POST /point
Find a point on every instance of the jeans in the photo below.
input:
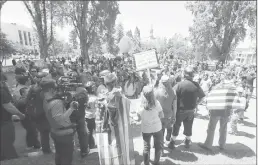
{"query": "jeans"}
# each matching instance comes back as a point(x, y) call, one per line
point(83, 135)
point(64, 146)
point(91, 127)
point(187, 117)
point(44, 130)
point(158, 144)
point(31, 133)
point(7, 141)
point(222, 131)
point(167, 124)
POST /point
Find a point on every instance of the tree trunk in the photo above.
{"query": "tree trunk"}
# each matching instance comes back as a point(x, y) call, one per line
point(84, 52)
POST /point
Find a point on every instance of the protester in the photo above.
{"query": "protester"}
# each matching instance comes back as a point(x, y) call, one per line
point(20, 95)
point(78, 118)
point(220, 103)
point(118, 110)
point(36, 112)
point(90, 112)
point(237, 113)
point(189, 95)
point(168, 101)
point(151, 114)
point(62, 129)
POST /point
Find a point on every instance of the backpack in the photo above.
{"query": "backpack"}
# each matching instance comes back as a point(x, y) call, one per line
point(34, 107)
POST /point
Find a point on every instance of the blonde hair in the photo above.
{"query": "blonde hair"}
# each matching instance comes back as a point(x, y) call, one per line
point(148, 99)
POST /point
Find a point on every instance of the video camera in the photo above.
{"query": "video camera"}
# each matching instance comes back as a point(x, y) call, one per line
point(66, 87)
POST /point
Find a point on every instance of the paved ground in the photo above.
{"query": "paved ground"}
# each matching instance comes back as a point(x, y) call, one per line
point(240, 149)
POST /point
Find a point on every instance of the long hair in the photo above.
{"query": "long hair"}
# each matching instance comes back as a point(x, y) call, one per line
point(148, 99)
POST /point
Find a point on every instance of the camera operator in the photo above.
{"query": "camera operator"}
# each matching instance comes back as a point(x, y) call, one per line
point(7, 128)
point(62, 129)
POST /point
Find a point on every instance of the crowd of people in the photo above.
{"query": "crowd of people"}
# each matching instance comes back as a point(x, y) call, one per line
point(101, 105)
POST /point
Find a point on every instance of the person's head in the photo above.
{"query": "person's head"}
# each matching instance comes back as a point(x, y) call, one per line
point(189, 73)
point(48, 86)
point(23, 91)
point(90, 87)
point(148, 99)
point(33, 71)
point(165, 81)
point(205, 76)
point(110, 80)
point(81, 95)
point(240, 91)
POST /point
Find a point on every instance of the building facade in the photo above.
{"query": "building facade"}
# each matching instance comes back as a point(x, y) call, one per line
point(245, 55)
point(22, 37)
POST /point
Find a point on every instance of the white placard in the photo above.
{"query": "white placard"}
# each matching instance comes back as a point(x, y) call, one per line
point(146, 60)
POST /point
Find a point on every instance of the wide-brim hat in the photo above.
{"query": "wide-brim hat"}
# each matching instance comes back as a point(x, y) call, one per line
point(164, 79)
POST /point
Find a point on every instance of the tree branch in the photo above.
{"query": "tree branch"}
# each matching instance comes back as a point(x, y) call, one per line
point(51, 25)
point(29, 9)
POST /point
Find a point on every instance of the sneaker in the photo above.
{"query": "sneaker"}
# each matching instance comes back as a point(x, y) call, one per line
point(47, 152)
point(84, 154)
point(232, 133)
point(187, 143)
point(204, 147)
point(171, 145)
point(37, 147)
point(145, 164)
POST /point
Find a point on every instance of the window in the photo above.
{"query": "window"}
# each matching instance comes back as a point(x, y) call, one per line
point(25, 38)
point(20, 36)
point(29, 38)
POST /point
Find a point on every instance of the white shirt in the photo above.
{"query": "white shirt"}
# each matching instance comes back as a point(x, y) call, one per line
point(91, 108)
point(151, 122)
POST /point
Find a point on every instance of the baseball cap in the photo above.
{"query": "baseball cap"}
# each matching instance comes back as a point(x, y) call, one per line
point(110, 77)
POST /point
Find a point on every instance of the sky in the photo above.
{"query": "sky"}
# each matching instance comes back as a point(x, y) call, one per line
point(166, 17)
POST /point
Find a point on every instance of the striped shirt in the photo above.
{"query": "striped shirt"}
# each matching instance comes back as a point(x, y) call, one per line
point(222, 100)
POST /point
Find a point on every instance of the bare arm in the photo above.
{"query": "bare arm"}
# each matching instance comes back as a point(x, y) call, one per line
point(9, 107)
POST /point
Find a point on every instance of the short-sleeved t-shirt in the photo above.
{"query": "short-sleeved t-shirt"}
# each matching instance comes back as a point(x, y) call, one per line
point(6, 97)
point(151, 122)
point(250, 80)
point(187, 94)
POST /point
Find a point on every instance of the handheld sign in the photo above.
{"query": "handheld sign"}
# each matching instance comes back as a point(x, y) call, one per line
point(146, 60)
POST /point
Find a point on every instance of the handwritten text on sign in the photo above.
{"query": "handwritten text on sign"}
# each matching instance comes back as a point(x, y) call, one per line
point(146, 60)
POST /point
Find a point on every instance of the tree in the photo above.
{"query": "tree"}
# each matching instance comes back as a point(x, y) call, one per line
point(56, 48)
point(179, 47)
point(2, 3)
point(43, 14)
point(73, 38)
point(220, 25)
point(90, 19)
point(137, 39)
point(96, 47)
point(119, 32)
point(129, 34)
point(6, 47)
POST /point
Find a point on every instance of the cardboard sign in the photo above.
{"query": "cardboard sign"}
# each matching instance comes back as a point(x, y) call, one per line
point(146, 60)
